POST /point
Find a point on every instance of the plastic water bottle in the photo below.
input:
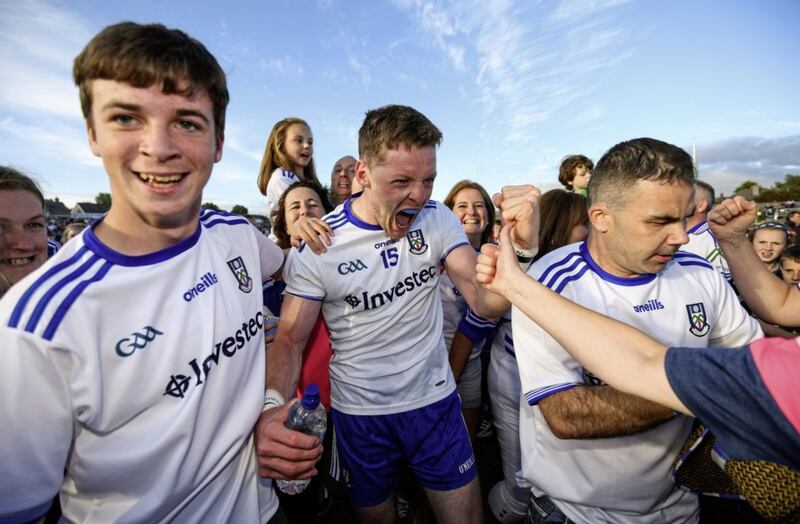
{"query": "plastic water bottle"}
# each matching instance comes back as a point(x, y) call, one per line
point(307, 416)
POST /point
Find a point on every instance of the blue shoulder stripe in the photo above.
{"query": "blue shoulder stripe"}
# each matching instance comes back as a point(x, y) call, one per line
point(38, 311)
point(16, 315)
point(233, 222)
point(556, 265)
point(563, 269)
point(431, 204)
point(571, 278)
point(685, 258)
point(71, 298)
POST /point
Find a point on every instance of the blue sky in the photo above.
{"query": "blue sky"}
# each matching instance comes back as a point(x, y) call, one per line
point(514, 85)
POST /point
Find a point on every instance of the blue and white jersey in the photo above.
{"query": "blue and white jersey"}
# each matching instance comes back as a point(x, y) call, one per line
point(380, 299)
point(702, 242)
point(279, 181)
point(619, 479)
point(52, 247)
point(142, 376)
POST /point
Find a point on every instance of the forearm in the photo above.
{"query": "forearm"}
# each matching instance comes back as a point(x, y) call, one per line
point(284, 359)
point(766, 294)
point(460, 349)
point(587, 412)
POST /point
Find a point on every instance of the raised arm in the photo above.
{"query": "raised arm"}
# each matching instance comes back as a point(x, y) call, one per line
point(768, 296)
point(622, 356)
point(519, 208)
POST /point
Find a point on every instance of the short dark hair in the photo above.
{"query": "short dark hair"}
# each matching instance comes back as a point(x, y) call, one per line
point(566, 172)
point(389, 126)
point(640, 159)
point(279, 226)
point(145, 54)
point(708, 189)
point(791, 253)
point(12, 179)
point(450, 201)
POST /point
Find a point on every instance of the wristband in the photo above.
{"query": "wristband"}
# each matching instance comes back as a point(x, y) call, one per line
point(272, 399)
point(525, 255)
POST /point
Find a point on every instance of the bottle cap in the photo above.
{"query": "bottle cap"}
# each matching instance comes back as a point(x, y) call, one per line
point(311, 397)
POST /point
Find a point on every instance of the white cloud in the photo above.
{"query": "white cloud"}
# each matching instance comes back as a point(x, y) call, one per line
point(360, 69)
point(592, 112)
point(36, 54)
point(63, 141)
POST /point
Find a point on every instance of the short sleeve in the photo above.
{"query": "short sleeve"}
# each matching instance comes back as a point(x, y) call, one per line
point(279, 182)
point(723, 388)
point(271, 255)
point(37, 423)
point(452, 232)
point(302, 276)
point(475, 327)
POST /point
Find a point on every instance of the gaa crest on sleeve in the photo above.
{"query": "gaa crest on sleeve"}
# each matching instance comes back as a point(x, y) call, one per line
point(239, 271)
point(416, 242)
point(698, 321)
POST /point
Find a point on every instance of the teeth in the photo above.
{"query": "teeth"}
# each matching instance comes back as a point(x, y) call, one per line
point(19, 261)
point(160, 179)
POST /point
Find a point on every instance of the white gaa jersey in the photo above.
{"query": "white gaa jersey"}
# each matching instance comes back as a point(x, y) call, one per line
point(279, 182)
point(702, 242)
point(621, 479)
point(142, 377)
point(380, 299)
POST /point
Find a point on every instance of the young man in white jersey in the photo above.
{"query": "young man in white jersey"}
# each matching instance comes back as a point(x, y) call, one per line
point(592, 453)
point(134, 358)
point(392, 391)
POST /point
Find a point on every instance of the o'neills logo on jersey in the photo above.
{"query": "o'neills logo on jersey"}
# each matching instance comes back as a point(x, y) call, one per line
point(367, 301)
point(178, 384)
point(651, 305)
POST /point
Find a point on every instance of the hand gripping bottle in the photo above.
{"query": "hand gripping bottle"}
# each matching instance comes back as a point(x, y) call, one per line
point(306, 416)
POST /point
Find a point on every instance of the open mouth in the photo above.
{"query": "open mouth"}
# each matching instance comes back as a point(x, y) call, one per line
point(160, 181)
point(405, 217)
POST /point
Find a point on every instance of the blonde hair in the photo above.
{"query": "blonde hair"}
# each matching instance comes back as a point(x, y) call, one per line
point(275, 155)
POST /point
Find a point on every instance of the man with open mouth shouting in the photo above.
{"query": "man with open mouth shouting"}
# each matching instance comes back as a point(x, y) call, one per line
point(392, 392)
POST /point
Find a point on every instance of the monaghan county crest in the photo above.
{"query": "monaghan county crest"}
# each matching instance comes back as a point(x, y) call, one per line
point(416, 241)
point(239, 270)
point(698, 323)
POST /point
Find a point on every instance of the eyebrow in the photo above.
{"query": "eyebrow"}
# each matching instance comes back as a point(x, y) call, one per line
point(135, 108)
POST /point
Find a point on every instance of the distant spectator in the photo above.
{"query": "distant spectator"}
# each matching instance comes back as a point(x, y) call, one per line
point(790, 265)
point(793, 223)
point(23, 228)
point(702, 241)
point(344, 170)
point(769, 240)
point(71, 231)
point(575, 173)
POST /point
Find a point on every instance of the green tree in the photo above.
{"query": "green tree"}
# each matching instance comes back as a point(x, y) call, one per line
point(104, 199)
point(790, 187)
point(240, 210)
point(211, 205)
point(747, 184)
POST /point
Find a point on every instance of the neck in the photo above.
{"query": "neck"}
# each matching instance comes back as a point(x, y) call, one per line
point(694, 220)
point(362, 209)
point(601, 254)
point(299, 171)
point(138, 237)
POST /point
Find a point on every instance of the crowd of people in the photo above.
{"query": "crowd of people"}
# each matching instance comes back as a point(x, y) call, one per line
point(614, 329)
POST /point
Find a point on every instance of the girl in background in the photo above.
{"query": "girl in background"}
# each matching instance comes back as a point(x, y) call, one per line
point(288, 158)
